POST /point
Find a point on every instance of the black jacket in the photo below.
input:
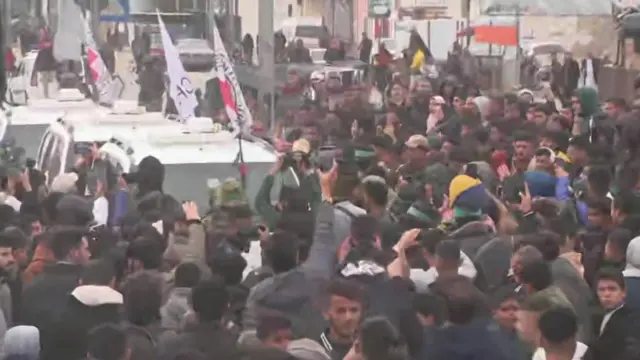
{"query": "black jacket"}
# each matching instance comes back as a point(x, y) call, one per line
point(210, 339)
point(87, 307)
point(46, 296)
point(43, 298)
point(619, 340)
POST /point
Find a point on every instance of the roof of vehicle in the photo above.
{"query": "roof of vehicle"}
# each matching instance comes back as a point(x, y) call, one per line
point(43, 111)
point(194, 148)
point(101, 126)
point(73, 109)
point(196, 46)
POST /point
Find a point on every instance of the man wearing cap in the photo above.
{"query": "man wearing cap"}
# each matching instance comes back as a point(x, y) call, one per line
point(421, 153)
point(417, 156)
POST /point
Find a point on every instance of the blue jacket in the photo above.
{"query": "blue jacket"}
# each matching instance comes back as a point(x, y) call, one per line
point(481, 340)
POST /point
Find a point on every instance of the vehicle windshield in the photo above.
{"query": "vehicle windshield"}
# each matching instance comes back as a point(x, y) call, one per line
point(310, 31)
point(188, 182)
point(84, 147)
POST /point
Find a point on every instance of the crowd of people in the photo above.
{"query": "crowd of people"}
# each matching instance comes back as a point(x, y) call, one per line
point(443, 223)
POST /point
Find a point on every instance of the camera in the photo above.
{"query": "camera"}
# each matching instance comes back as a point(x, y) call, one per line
point(289, 161)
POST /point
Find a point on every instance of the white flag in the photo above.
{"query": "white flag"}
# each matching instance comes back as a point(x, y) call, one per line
point(100, 75)
point(230, 91)
point(181, 89)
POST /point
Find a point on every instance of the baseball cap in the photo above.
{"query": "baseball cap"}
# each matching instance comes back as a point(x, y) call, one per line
point(417, 142)
point(438, 100)
point(301, 146)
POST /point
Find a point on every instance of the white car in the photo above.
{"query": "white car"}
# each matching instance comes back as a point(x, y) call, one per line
point(317, 55)
point(191, 153)
point(191, 159)
point(27, 124)
point(67, 136)
point(195, 54)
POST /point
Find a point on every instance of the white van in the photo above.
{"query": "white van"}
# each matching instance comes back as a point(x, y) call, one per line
point(65, 137)
point(27, 124)
point(307, 28)
point(193, 158)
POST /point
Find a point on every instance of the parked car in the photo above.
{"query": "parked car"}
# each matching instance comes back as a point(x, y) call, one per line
point(195, 54)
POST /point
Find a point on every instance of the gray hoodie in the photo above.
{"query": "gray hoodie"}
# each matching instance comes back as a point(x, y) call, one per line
point(295, 292)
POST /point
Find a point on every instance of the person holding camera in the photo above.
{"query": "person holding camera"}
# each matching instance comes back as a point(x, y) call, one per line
point(300, 185)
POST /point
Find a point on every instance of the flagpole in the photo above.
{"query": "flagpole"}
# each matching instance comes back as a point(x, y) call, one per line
point(243, 166)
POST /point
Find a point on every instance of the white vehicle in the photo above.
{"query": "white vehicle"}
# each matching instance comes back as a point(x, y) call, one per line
point(27, 124)
point(307, 28)
point(195, 54)
point(19, 88)
point(191, 153)
point(191, 159)
point(69, 135)
point(317, 55)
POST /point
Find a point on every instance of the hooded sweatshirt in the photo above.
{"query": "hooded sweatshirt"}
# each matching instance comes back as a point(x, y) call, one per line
point(295, 293)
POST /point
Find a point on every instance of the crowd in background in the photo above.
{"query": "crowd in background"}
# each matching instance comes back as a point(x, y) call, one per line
point(418, 217)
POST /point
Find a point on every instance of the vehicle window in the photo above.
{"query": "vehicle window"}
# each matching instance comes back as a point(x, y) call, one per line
point(84, 147)
point(310, 31)
point(55, 161)
point(45, 151)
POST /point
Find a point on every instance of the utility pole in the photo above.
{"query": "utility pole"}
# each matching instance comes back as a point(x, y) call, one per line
point(211, 18)
point(231, 26)
point(6, 21)
point(266, 56)
point(94, 10)
point(518, 45)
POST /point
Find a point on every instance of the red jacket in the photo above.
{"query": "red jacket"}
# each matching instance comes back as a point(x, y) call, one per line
point(9, 61)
